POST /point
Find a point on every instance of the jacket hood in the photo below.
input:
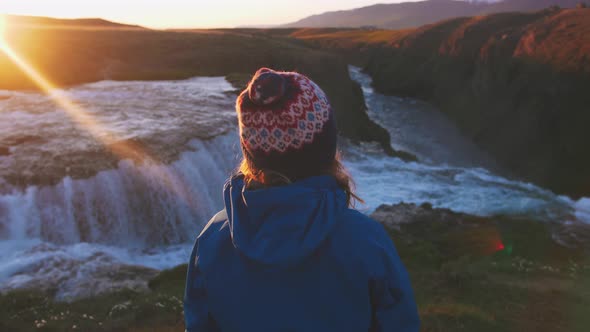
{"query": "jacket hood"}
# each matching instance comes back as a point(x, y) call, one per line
point(282, 225)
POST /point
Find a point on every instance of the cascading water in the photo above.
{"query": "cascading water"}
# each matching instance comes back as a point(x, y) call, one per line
point(126, 206)
point(83, 216)
point(118, 218)
point(78, 220)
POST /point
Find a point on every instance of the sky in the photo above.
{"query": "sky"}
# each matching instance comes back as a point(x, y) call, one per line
point(184, 13)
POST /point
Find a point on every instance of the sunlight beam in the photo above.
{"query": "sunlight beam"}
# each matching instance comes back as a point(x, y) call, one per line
point(79, 116)
point(117, 146)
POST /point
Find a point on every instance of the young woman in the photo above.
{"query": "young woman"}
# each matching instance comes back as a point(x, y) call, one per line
point(287, 253)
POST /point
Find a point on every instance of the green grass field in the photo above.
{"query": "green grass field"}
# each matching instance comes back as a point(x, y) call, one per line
point(531, 285)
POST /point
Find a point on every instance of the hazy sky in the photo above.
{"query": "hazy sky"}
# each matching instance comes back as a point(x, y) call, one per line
point(183, 13)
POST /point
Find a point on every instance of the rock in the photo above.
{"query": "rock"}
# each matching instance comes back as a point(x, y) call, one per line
point(393, 216)
point(106, 280)
point(459, 233)
point(403, 155)
point(516, 87)
point(67, 278)
point(120, 308)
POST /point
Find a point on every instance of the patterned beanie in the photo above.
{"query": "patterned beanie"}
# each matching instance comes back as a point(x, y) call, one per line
point(286, 124)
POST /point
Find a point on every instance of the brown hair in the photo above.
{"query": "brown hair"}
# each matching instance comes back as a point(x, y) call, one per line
point(260, 178)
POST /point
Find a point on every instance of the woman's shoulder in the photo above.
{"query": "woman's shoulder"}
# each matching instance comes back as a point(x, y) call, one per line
point(218, 223)
point(360, 229)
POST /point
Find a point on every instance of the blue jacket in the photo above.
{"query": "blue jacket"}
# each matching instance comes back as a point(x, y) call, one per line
point(296, 258)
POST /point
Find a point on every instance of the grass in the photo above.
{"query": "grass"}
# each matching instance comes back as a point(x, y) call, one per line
point(459, 288)
point(349, 38)
point(531, 285)
point(159, 310)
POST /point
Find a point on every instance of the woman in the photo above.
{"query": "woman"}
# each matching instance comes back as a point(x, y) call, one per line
point(287, 253)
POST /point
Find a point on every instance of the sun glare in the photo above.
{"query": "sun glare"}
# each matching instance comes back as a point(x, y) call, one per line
point(2, 28)
point(92, 125)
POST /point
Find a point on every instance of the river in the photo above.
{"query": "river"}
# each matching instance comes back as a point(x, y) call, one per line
point(69, 210)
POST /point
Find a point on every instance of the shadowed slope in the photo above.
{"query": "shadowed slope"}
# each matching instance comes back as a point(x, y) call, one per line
point(516, 83)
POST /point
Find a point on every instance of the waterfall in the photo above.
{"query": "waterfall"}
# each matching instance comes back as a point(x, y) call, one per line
point(115, 224)
point(126, 206)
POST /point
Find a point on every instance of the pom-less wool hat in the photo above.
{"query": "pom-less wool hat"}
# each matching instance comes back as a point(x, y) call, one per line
point(286, 124)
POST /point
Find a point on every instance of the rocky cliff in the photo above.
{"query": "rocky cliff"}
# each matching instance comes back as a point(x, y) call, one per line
point(516, 83)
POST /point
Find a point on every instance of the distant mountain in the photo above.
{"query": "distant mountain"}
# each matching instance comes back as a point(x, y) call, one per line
point(37, 21)
point(256, 26)
point(413, 14)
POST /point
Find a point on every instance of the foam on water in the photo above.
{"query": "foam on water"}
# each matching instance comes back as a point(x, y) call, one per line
point(383, 180)
point(582, 207)
point(68, 269)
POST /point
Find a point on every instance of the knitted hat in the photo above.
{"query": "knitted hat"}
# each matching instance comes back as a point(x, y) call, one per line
point(286, 124)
